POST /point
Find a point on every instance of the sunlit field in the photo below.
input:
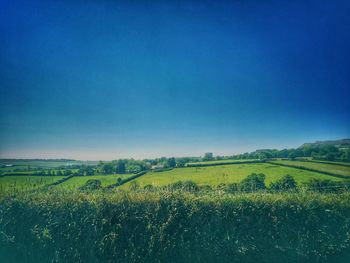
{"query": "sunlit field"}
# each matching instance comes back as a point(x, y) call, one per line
point(215, 175)
point(79, 181)
point(324, 167)
point(11, 184)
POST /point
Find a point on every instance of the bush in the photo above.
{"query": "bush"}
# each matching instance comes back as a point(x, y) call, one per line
point(91, 185)
point(326, 186)
point(149, 187)
point(253, 182)
point(286, 183)
point(188, 186)
point(174, 227)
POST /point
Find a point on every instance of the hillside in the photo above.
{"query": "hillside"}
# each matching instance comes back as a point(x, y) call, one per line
point(342, 143)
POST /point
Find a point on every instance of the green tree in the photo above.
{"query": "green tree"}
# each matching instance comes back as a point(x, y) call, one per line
point(120, 169)
point(286, 183)
point(253, 182)
point(171, 162)
point(208, 157)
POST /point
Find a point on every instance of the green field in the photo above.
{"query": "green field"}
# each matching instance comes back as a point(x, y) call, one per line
point(215, 175)
point(79, 181)
point(44, 164)
point(223, 161)
point(11, 184)
point(324, 167)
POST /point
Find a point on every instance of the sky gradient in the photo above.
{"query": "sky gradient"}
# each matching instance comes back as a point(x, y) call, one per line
point(114, 79)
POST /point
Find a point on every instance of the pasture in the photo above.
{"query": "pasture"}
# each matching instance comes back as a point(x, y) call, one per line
point(78, 181)
point(12, 184)
point(43, 164)
point(324, 167)
point(215, 175)
point(226, 161)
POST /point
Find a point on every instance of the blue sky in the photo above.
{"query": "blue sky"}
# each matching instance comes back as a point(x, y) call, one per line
point(115, 79)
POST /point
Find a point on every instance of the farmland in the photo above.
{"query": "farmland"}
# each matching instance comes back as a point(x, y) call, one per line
point(323, 167)
point(219, 162)
point(10, 184)
point(79, 181)
point(215, 175)
point(134, 224)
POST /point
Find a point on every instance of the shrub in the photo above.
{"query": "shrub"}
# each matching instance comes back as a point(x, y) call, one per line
point(253, 182)
point(149, 187)
point(188, 186)
point(91, 185)
point(286, 183)
point(134, 186)
point(325, 186)
point(174, 227)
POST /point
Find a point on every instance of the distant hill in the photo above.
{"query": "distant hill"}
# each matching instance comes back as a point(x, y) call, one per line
point(343, 143)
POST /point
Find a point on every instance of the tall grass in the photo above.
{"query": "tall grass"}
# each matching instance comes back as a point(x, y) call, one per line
point(166, 226)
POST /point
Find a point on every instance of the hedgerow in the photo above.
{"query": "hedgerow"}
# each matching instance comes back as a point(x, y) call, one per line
point(165, 226)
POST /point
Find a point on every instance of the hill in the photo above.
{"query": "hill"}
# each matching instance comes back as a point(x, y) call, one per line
point(343, 143)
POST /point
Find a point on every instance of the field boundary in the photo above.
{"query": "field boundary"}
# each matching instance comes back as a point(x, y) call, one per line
point(60, 181)
point(124, 181)
point(223, 163)
point(21, 174)
point(310, 169)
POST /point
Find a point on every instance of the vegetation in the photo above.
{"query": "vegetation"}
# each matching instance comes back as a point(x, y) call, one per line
point(215, 175)
point(218, 209)
point(174, 227)
point(323, 167)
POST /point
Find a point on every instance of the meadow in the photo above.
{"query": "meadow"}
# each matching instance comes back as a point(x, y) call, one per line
point(323, 167)
point(12, 184)
point(79, 181)
point(219, 162)
point(233, 173)
point(43, 164)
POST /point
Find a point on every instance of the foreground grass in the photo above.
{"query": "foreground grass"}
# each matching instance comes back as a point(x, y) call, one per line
point(118, 226)
point(215, 175)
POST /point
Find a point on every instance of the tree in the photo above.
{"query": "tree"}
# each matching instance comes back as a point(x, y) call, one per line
point(171, 162)
point(253, 182)
point(119, 180)
point(208, 157)
point(107, 168)
point(285, 183)
point(120, 169)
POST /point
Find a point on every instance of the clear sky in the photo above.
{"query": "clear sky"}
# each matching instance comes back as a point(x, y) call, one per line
point(115, 79)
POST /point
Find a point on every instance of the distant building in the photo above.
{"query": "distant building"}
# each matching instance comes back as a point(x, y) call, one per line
point(157, 167)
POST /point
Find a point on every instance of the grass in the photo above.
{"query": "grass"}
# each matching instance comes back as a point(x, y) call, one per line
point(331, 168)
point(12, 184)
point(23, 164)
point(310, 159)
point(223, 161)
point(71, 226)
point(79, 181)
point(215, 175)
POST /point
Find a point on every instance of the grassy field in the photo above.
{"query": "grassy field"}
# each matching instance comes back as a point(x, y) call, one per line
point(223, 161)
point(331, 168)
point(215, 175)
point(45, 164)
point(11, 184)
point(79, 181)
point(320, 161)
